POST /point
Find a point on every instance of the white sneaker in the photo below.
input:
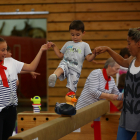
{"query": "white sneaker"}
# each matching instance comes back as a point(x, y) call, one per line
point(52, 80)
point(14, 133)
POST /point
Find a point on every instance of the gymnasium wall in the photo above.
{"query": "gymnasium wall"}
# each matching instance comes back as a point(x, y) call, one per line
point(106, 23)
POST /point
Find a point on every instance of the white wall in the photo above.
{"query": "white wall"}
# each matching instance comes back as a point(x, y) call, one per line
point(20, 24)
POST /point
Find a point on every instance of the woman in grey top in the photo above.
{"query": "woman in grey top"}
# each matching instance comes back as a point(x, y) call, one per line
point(130, 117)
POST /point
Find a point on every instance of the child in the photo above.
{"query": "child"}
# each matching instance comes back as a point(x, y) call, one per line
point(73, 54)
point(125, 54)
point(129, 122)
point(9, 68)
point(121, 85)
point(33, 74)
point(9, 54)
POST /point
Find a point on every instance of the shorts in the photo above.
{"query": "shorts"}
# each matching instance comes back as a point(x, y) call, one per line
point(71, 75)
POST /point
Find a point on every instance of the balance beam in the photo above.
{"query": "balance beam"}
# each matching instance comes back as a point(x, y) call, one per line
point(57, 128)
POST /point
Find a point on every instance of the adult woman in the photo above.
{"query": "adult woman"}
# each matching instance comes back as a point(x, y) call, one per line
point(9, 68)
point(130, 117)
point(100, 85)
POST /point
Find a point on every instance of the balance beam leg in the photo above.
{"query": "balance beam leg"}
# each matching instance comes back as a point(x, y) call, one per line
point(97, 130)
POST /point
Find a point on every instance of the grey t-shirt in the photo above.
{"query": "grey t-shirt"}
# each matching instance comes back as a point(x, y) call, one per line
point(75, 53)
point(130, 116)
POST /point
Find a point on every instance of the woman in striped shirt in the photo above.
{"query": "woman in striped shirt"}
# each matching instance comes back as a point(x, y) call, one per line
point(100, 85)
point(9, 68)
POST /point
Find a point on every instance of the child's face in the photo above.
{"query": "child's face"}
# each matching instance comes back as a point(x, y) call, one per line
point(3, 50)
point(76, 35)
point(126, 56)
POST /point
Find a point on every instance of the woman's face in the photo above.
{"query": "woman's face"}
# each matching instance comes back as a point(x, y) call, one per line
point(3, 50)
point(113, 70)
point(132, 46)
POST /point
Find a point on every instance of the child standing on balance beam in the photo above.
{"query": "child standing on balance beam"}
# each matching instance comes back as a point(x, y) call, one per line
point(73, 53)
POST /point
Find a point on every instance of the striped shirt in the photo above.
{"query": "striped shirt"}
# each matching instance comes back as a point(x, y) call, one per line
point(94, 87)
point(6, 93)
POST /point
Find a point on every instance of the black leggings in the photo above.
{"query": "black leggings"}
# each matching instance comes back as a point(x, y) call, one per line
point(7, 122)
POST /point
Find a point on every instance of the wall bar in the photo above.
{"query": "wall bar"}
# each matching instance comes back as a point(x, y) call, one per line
point(25, 13)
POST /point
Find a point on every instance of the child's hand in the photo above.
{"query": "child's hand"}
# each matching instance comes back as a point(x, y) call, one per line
point(94, 61)
point(34, 74)
point(100, 49)
point(51, 44)
point(120, 105)
point(94, 52)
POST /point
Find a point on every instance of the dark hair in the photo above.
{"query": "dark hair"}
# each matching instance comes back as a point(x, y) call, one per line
point(124, 52)
point(134, 33)
point(2, 40)
point(77, 25)
point(121, 83)
point(8, 48)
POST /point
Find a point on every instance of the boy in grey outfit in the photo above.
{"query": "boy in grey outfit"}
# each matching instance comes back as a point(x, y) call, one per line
point(73, 53)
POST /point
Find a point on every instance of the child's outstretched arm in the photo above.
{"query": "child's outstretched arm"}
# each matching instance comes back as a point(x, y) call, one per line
point(56, 50)
point(118, 58)
point(90, 57)
point(99, 62)
point(33, 74)
point(33, 65)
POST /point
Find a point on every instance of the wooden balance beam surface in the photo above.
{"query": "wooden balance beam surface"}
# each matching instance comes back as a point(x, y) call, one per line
point(57, 128)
